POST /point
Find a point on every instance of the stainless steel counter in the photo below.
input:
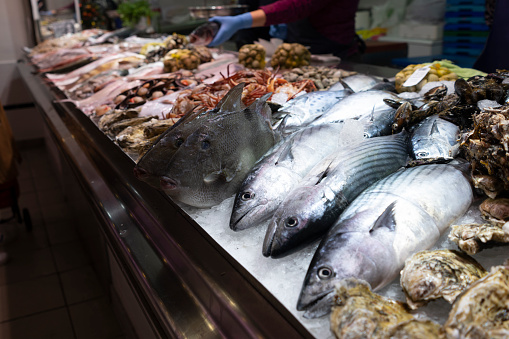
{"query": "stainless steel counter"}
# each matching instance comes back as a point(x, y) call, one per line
point(187, 285)
point(192, 277)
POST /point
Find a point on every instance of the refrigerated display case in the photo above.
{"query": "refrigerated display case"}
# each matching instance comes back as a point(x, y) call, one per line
point(189, 273)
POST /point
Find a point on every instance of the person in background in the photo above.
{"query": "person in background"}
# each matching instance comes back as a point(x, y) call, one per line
point(325, 26)
point(494, 55)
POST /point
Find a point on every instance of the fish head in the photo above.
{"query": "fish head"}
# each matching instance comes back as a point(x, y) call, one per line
point(152, 165)
point(300, 219)
point(200, 165)
point(261, 193)
point(337, 258)
point(214, 159)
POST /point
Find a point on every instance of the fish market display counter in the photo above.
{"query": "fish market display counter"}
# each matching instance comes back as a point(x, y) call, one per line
point(191, 275)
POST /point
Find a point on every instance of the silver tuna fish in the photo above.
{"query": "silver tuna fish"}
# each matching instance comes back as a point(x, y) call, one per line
point(277, 173)
point(308, 107)
point(360, 82)
point(368, 108)
point(435, 138)
point(315, 204)
point(394, 218)
point(213, 160)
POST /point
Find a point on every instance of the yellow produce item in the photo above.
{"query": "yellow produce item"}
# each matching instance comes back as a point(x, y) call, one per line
point(435, 73)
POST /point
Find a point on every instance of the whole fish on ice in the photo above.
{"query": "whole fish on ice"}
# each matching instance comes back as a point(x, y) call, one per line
point(360, 82)
point(272, 178)
point(435, 138)
point(397, 216)
point(313, 206)
point(211, 163)
point(367, 107)
point(306, 108)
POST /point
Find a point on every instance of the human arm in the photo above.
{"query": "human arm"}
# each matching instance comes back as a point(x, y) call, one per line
point(231, 24)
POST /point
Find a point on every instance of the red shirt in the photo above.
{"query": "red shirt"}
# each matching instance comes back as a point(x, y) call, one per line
point(334, 19)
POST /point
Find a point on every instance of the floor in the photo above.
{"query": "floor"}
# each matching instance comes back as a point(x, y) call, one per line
point(48, 289)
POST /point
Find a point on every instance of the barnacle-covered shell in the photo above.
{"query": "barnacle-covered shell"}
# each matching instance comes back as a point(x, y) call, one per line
point(487, 148)
point(252, 56)
point(472, 238)
point(177, 59)
point(430, 275)
point(359, 313)
point(482, 310)
point(176, 41)
point(416, 329)
point(290, 55)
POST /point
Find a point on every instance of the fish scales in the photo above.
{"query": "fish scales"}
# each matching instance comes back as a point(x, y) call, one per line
point(282, 168)
point(397, 216)
point(313, 206)
point(208, 162)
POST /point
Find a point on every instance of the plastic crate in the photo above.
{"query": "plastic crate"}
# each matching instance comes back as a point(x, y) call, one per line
point(467, 14)
point(466, 27)
point(465, 20)
point(465, 8)
point(466, 33)
point(466, 2)
point(462, 51)
point(465, 39)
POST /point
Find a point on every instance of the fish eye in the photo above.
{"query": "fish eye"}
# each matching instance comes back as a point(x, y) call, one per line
point(422, 154)
point(291, 222)
point(247, 196)
point(179, 142)
point(324, 272)
point(205, 144)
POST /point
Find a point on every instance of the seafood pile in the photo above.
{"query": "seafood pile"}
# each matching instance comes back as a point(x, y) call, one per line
point(323, 77)
point(315, 156)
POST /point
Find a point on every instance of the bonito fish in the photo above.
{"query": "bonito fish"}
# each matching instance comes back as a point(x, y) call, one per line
point(435, 138)
point(272, 178)
point(211, 163)
point(308, 107)
point(310, 209)
point(367, 107)
point(394, 218)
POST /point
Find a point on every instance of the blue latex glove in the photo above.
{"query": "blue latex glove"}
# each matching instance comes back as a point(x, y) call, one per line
point(230, 25)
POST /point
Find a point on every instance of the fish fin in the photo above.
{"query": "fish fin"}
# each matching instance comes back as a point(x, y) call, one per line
point(386, 219)
point(257, 105)
point(434, 128)
point(212, 177)
point(222, 174)
point(232, 102)
point(346, 86)
point(286, 153)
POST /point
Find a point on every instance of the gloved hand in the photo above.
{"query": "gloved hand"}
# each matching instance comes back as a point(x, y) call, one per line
point(230, 25)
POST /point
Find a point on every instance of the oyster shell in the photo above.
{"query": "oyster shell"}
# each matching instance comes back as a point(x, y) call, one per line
point(472, 238)
point(496, 211)
point(487, 148)
point(117, 127)
point(135, 139)
point(359, 313)
point(416, 329)
point(109, 119)
point(437, 274)
point(482, 311)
